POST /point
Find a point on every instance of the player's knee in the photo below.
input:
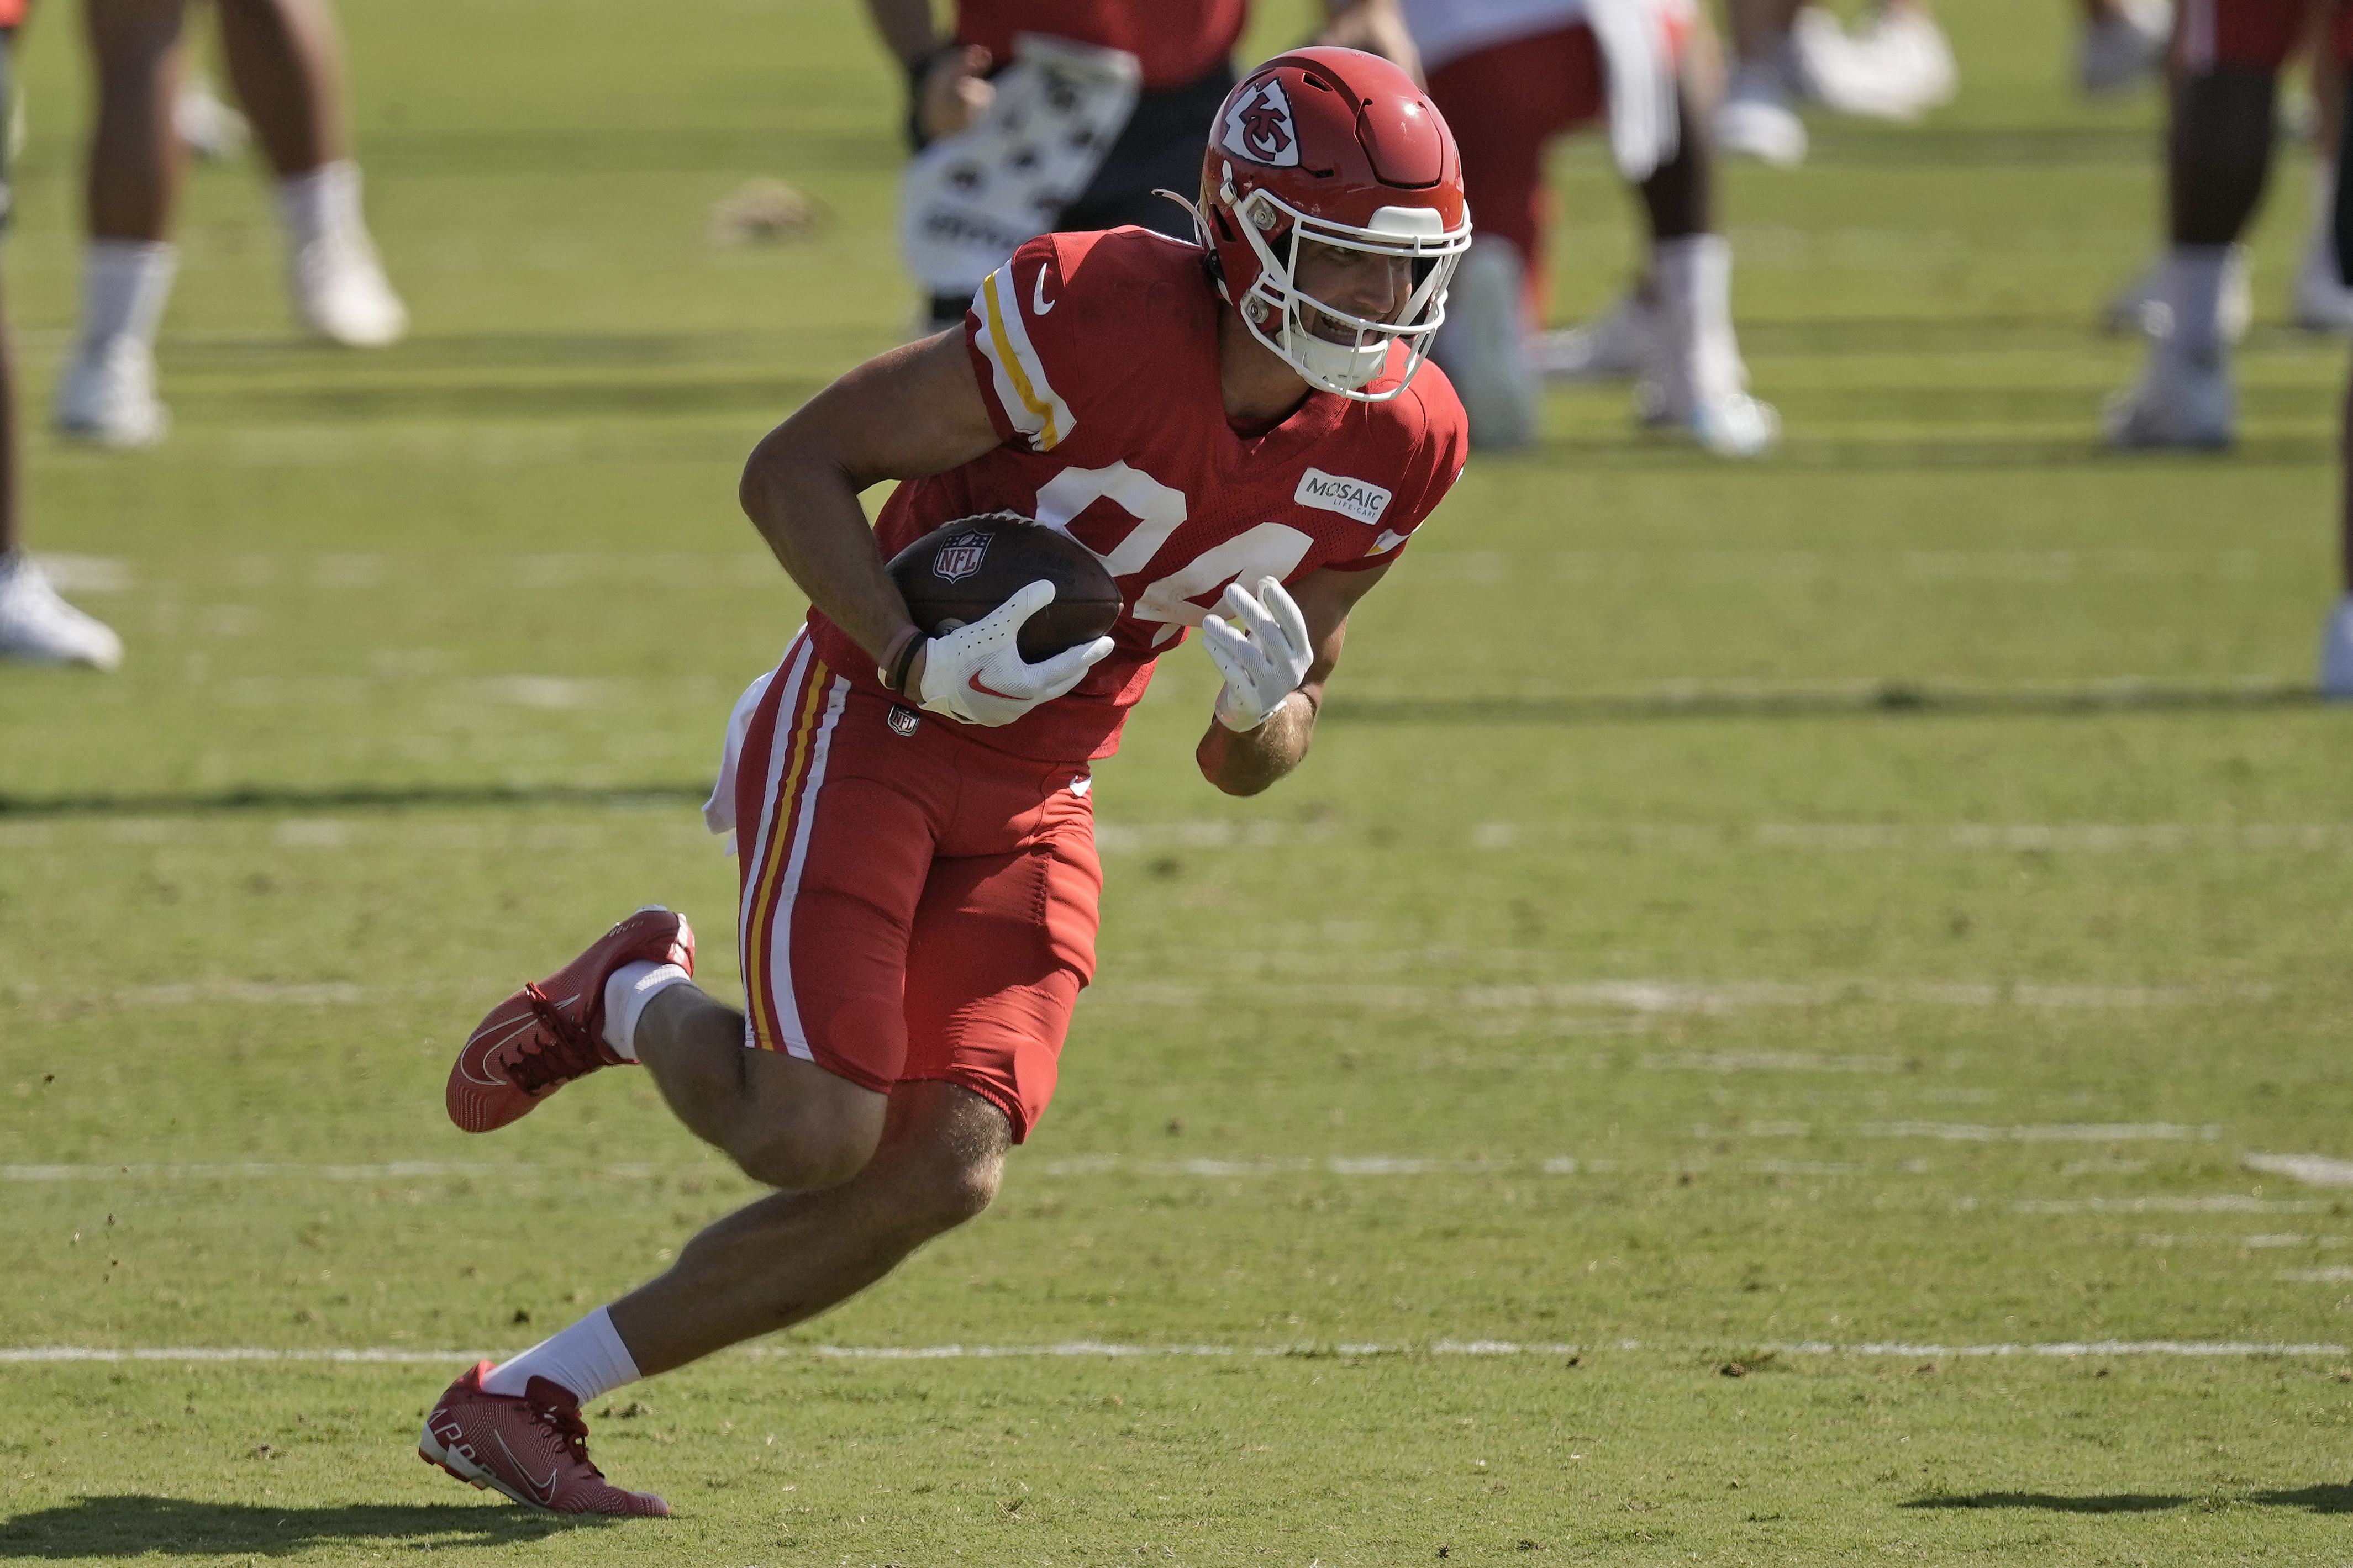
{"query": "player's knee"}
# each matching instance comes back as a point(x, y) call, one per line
point(965, 1192)
point(801, 1128)
point(802, 1159)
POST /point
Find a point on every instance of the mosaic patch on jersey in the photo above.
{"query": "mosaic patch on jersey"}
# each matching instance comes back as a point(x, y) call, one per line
point(1260, 128)
point(1337, 492)
point(960, 557)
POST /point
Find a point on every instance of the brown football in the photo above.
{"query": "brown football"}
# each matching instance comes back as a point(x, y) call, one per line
point(959, 572)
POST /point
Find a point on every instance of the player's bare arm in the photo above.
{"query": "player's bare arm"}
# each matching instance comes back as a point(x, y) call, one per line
point(1376, 27)
point(1248, 762)
point(909, 413)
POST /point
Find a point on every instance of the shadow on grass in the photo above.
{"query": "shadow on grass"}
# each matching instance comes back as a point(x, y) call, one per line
point(2330, 1499)
point(139, 1525)
point(1861, 699)
point(2052, 1502)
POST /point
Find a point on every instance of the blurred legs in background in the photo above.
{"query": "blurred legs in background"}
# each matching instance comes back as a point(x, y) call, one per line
point(285, 60)
point(1505, 102)
point(36, 625)
point(1894, 64)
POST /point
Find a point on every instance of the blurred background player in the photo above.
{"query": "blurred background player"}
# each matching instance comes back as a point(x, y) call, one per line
point(36, 625)
point(1072, 131)
point(1894, 64)
point(285, 60)
point(1510, 74)
point(2219, 141)
point(2320, 302)
point(2337, 633)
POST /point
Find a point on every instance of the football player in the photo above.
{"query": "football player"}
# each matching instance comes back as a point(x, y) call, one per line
point(2217, 157)
point(1509, 75)
point(36, 625)
point(286, 61)
point(1242, 428)
point(2337, 632)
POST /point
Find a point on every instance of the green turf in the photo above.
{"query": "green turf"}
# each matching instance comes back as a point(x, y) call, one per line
point(1881, 897)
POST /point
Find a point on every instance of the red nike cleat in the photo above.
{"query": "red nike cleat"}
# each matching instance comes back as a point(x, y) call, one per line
point(534, 1448)
point(544, 1035)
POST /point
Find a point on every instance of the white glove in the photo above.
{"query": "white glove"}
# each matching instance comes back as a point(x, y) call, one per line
point(1263, 659)
point(976, 675)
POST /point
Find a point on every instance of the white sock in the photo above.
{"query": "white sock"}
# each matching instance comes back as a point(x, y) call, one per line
point(1694, 281)
point(626, 995)
point(2320, 251)
point(2191, 291)
point(588, 1359)
point(125, 285)
point(322, 202)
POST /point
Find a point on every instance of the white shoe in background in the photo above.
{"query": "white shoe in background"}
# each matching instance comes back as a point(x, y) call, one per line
point(1483, 348)
point(204, 124)
point(1895, 66)
point(2111, 55)
point(2136, 308)
point(341, 292)
point(38, 626)
point(1622, 341)
point(2336, 653)
point(107, 396)
point(2323, 303)
point(2181, 401)
point(1726, 424)
point(1756, 120)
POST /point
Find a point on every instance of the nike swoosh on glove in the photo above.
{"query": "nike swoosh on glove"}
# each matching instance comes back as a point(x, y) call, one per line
point(976, 675)
point(1264, 658)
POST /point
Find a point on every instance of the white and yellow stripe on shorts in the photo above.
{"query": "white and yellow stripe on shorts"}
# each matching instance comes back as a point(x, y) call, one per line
point(1028, 398)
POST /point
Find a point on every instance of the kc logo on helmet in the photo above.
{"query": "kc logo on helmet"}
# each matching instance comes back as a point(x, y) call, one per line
point(960, 557)
point(1259, 127)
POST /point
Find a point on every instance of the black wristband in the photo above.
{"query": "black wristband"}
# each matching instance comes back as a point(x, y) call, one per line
point(903, 663)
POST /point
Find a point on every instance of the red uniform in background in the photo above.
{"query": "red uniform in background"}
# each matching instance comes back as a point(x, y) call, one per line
point(1176, 41)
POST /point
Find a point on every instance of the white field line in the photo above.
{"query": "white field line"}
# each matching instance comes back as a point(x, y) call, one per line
point(1113, 1351)
point(2222, 1202)
point(1357, 1166)
point(1680, 997)
point(2337, 1275)
point(2070, 1349)
point(2311, 1170)
point(1877, 837)
point(264, 1171)
point(2046, 1133)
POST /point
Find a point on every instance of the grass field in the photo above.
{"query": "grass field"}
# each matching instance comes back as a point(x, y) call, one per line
point(1751, 944)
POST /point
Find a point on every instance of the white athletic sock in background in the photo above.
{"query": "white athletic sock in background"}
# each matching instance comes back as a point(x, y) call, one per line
point(322, 202)
point(588, 1358)
point(1695, 283)
point(2191, 291)
point(126, 283)
point(627, 992)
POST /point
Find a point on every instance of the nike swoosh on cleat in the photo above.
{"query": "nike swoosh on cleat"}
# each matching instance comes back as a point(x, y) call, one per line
point(529, 1484)
point(478, 1048)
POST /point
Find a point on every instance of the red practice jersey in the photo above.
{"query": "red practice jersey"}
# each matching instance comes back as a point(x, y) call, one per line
point(1176, 41)
point(1097, 355)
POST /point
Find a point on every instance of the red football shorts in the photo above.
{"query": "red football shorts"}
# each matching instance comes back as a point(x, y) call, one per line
point(916, 906)
point(1504, 104)
point(2258, 34)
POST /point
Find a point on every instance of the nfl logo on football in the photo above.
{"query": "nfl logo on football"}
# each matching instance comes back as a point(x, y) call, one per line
point(960, 557)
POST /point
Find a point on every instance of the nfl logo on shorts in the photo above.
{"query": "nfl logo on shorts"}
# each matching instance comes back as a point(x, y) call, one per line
point(960, 556)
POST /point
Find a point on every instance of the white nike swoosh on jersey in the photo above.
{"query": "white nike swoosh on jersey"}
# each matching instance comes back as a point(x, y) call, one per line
point(1038, 300)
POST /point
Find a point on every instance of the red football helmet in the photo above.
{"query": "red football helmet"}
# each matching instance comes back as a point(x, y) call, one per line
point(1338, 148)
